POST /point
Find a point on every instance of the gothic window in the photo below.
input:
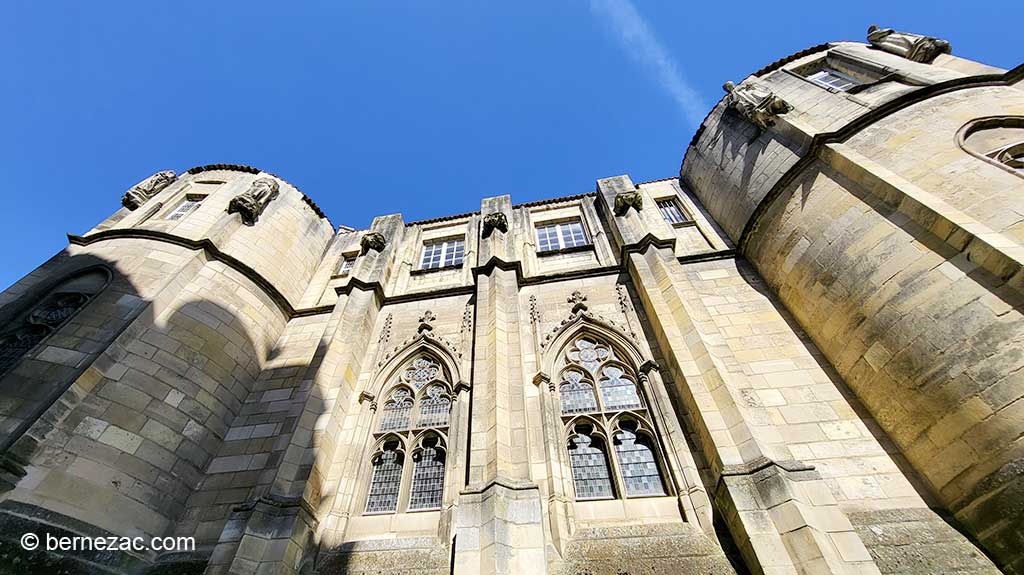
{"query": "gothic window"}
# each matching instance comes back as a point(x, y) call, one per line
point(414, 416)
point(386, 481)
point(576, 393)
point(443, 254)
point(617, 391)
point(561, 235)
point(397, 410)
point(612, 436)
point(29, 329)
point(435, 405)
point(589, 463)
point(428, 474)
point(637, 463)
point(672, 211)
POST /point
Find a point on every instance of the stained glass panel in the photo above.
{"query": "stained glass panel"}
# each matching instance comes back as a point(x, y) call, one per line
point(590, 472)
point(386, 480)
point(434, 408)
point(428, 477)
point(577, 395)
point(638, 465)
point(618, 392)
point(396, 411)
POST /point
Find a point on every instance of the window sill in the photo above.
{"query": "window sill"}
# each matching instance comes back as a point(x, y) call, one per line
point(572, 250)
point(686, 224)
point(339, 276)
point(419, 271)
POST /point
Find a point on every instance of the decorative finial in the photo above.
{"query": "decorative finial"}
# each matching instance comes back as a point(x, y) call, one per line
point(425, 320)
point(577, 299)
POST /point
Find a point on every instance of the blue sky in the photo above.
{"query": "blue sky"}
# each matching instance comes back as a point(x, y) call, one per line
point(378, 107)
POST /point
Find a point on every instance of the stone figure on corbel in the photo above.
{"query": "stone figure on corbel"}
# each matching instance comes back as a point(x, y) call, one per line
point(146, 189)
point(251, 203)
point(913, 47)
point(755, 102)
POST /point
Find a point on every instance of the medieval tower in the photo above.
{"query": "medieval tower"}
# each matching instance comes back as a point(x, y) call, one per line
point(803, 354)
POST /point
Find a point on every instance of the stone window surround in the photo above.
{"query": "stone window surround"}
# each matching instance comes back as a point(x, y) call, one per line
point(688, 219)
point(460, 238)
point(340, 269)
point(588, 244)
point(408, 446)
point(865, 72)
point(606, 423)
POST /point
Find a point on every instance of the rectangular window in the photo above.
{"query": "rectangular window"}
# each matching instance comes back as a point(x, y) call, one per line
point(672, 211)
point(560, 236)
point(345, 265)
point(442, 254)
point(185, 207)
point(829, 78)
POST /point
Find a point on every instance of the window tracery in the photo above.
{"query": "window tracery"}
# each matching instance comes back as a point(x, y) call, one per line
point(614, 433)
point(414, 418)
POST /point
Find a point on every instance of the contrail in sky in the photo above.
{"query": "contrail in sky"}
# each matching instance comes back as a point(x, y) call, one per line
point(639, 41)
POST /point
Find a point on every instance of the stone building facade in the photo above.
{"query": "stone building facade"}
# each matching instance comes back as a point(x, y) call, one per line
point(802, 355)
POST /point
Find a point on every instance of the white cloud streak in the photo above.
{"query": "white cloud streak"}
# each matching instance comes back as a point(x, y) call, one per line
point(639, 41)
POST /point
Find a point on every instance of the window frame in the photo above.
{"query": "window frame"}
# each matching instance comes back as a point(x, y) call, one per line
point(192, 200)
point(448, 247)
point(673, 202)
point(559, 226)
point(342, 270)
point(830, 72)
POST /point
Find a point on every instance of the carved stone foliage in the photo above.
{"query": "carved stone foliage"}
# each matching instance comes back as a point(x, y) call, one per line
point(626, 200)
point(580, 312)
point(372, 241)
point(146, 189)
point(755, 102)
point(251, 203)
point(494, 221)
point(913, 47)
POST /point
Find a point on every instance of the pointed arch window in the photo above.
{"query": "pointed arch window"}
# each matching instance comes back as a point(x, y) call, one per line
point(414, 418)
point(616, 433)
point(589, 461)
point(48, 314)
point(386, 481)
point(428, 474)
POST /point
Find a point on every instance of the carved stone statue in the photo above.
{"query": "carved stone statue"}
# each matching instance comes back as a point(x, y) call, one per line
point(494, 221)
point(913, 47)
point(755, 102)
point(147, 188)
point(372, 241)
point(251, 203)
point(626, 200)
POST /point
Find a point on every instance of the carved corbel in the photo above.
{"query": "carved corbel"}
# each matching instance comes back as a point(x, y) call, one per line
point(755, 102)
point(251, 203)
point(372, 241)
point(460, 387)
point(913, 47)
point(146, 189)
point(494, 221)
point(625, 200)
point(541, 378)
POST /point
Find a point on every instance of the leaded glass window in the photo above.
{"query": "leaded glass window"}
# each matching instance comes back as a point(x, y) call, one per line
point(617, 391)
point(397, 410)
point(589, 353)
point(386, 481)
point(421, 395)
point(638, 465)
point(435, 405)
point(590, 473)
point(428, 476)
point(576, 394)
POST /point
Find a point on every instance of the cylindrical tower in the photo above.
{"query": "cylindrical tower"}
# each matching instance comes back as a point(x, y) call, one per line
point(126, 357)
point(879, 190)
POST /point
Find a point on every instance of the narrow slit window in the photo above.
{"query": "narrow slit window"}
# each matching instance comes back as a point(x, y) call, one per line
point(672, 211)
point(442, 254)
point(561, 235)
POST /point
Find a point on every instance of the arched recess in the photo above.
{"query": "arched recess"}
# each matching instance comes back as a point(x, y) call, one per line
point(997, 140)
point(417, 403)
point(612, 380)
point(36, 322)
